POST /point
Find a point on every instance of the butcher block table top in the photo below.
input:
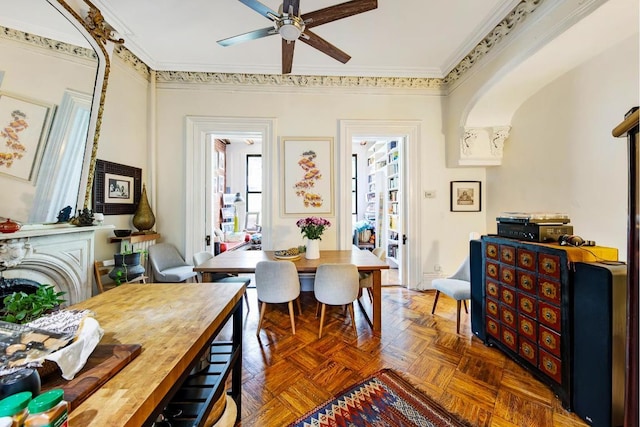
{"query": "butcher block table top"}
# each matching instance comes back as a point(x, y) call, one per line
point(173, 323)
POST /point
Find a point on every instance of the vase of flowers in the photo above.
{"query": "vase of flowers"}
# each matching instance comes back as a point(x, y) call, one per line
point(312, 229)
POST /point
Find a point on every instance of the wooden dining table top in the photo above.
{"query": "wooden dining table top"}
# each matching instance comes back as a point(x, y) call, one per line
point(245, 261)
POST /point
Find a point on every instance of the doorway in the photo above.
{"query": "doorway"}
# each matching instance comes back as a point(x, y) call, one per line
point(406, 137)
point(199, 131)
point(378, 204)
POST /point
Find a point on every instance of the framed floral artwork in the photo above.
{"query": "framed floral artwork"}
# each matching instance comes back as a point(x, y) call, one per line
point(24, 129)
point(466, 196)
point(307, 183)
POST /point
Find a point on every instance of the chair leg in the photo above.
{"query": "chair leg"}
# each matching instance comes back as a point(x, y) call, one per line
point(299, 306)
point(353, 319)
point(263, 308)
point(435, 302)
point(293, 321)
point(370, 292)
point(321, 320)
point(317, 308)
point(246, 300)
point(466, 310)
point(458, 317)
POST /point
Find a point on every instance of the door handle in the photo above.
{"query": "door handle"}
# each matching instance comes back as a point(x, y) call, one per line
point(404, 239)
point(207, 240)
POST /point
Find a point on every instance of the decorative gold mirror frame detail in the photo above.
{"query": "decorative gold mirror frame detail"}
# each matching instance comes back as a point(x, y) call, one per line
point(101, 33)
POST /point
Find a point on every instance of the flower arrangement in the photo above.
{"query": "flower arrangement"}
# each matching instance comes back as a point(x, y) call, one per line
point(312, 227)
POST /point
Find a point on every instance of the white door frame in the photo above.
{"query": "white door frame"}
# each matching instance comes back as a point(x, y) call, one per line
point(411, 131)
point(196, 130)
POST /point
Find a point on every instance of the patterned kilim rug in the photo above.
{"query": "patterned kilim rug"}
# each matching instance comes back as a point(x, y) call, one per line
point(384, 400)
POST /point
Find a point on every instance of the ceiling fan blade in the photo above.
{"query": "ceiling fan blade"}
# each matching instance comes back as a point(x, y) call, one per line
point(260, 8)
point(338, 11)
point(252, 35)
point(287, 55)
point(324, 46)
point(294, 3)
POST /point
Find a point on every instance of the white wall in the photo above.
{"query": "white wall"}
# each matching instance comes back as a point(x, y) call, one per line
point(315, 113)
point(563, 158)
point(123, 138)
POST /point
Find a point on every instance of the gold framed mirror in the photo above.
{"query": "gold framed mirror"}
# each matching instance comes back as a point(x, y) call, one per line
point(57, 58)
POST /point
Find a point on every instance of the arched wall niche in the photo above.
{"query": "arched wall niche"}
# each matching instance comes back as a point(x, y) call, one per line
point(569, 35)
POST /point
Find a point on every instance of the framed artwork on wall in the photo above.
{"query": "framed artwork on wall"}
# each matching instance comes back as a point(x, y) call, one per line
point(466, 196)
point(116, 188)
point(24, 129)
point(308, 176)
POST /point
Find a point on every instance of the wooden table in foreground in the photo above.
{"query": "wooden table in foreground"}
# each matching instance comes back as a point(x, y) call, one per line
point(174, 323)
point(245, 262)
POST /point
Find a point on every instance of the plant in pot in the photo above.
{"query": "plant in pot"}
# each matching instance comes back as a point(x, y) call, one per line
point(21, 307)
point(127, 265)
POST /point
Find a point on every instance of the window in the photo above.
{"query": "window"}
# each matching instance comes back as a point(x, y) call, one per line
point(254, 183)
point(354, 188)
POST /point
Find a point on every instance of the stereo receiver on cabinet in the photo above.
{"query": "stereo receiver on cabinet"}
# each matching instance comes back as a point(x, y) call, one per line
point(533, 232)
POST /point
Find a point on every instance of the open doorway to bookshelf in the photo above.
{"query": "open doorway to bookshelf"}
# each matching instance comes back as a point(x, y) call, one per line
point(380, 208)
point(400, 185)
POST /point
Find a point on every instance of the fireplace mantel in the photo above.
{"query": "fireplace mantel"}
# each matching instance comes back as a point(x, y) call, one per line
point(59, 254)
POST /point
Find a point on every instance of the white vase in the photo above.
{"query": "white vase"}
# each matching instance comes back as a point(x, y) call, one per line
point(313, 249)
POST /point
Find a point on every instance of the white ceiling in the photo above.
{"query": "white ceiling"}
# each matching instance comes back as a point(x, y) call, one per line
point(401, 38)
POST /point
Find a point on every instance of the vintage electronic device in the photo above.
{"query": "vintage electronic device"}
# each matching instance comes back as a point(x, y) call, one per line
point(599, 316)
point(544, 233)
point(533, 218)
point(477, 289)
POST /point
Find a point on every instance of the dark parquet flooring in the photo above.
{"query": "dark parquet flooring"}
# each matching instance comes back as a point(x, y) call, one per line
point(286, 375)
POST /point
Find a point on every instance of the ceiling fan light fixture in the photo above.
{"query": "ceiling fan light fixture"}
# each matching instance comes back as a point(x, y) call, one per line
point(290, 27)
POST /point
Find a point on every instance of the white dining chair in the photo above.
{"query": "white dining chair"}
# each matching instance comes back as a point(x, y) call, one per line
point(336, 284)
point(277, 282)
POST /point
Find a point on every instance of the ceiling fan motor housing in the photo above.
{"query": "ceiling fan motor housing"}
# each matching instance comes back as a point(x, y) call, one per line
point(290, 27)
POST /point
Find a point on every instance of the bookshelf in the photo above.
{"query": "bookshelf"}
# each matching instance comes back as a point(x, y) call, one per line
point(384, 196)
point(393, 202)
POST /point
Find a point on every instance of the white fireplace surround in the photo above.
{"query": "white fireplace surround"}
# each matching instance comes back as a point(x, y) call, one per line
point(61, 255)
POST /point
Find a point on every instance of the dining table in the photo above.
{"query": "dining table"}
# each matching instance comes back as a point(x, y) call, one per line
point(242, 262)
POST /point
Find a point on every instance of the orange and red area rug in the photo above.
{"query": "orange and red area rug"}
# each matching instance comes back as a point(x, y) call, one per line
point(384, 400)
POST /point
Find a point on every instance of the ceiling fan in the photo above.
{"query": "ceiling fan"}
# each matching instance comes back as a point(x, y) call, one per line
point(292, 26)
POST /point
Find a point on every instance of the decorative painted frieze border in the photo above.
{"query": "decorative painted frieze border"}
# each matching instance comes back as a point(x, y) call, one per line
point(46, 43)
point(133, 61)
point(297, 80)
point(502, 30)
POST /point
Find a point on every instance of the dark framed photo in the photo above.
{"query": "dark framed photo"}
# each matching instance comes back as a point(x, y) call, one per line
point(466, 196)
point(116, 188)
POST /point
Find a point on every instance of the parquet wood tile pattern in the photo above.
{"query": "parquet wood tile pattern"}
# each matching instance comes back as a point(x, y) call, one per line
point(286, 375)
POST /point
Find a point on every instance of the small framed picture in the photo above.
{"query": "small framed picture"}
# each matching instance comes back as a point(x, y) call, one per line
point(466, 196)
point(116, 188)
